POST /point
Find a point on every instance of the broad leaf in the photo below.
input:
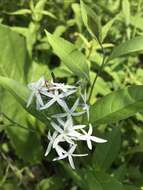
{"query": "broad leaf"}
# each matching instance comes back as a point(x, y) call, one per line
point(131, 46)
point(13, 54)
point(117, 105)
point(92, 179)
point(21, 93)
point(106, 153)
point(95, 180)
point(68, 53)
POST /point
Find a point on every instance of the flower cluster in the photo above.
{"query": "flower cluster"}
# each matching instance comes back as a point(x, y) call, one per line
point(65, 131)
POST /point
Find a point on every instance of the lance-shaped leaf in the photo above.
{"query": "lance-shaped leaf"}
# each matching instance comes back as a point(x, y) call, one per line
point(21, 93)
point(131, 46)
point(91, 21)
point(70, 56)
point(118, 105)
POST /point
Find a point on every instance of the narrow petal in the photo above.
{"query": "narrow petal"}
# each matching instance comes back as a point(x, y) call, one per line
point(37, 104)
point(69, 140)
point(39, 99)
point(89, 144)
point(90, 129)
point(79, 126)
point(56, 127)
point(72, 149)
point(61, 121)
point(79, 155)
point(60, 150)
point(75, 134)
point(50, 103)
point(50, 95)
point(71, 162)
point(78, 113)
point(74, 107)
point(57, 140)
point(65, 94)
point(30, 99)
point(60, 157)
point(62, 103)
point(97, 139)
point(49, 135)
point(48, 149)
point(60, 115)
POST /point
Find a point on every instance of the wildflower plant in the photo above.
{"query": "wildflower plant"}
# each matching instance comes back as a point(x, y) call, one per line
point(65, 130)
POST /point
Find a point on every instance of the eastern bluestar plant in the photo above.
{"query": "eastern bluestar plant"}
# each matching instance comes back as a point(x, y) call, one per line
point(63, 124)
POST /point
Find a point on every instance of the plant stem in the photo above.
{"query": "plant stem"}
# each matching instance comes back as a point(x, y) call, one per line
point(99, 71)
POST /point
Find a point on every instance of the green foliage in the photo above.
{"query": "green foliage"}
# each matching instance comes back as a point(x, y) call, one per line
point(70, 56)
point(118, 105)
point(132, 46)
point(52, 183)
point(105, 155)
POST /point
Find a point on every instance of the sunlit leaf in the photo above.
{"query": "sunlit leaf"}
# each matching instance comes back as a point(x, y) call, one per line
point(68, 53)
point(129, 47)
point(91, 21)
point(118, 105)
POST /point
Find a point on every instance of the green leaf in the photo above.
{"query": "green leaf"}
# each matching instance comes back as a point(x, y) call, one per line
point(95, 180)
point(21, 93)
point(91, 21)
point(117, 105)
point(130, 187)
point(106, 153)
point(106, 28)
point(37, 11)
point(26, 143)
point(131, 46)
point(21, 12)
point(52, 183)
point(68, 53)
point(13, 54)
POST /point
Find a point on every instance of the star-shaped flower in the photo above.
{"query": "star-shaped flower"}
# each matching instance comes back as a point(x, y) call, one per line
point(67, 131)
point(56, 97)
point(69, 112)
point(87, 137)
point(37, 88)
point(69, 154)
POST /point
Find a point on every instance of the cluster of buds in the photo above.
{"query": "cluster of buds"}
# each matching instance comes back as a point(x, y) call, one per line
point(65, 132)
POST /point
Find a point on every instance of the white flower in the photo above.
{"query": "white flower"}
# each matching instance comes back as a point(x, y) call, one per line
point(51, 139)
point(37, 88)
point(62, 87)
point(69, 154)
point(70, 112)
point(89, 138)
point(85, 105)
point(56, 97)
point(67, 132)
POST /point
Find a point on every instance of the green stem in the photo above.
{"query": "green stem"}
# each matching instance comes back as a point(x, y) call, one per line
point(99, 71)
